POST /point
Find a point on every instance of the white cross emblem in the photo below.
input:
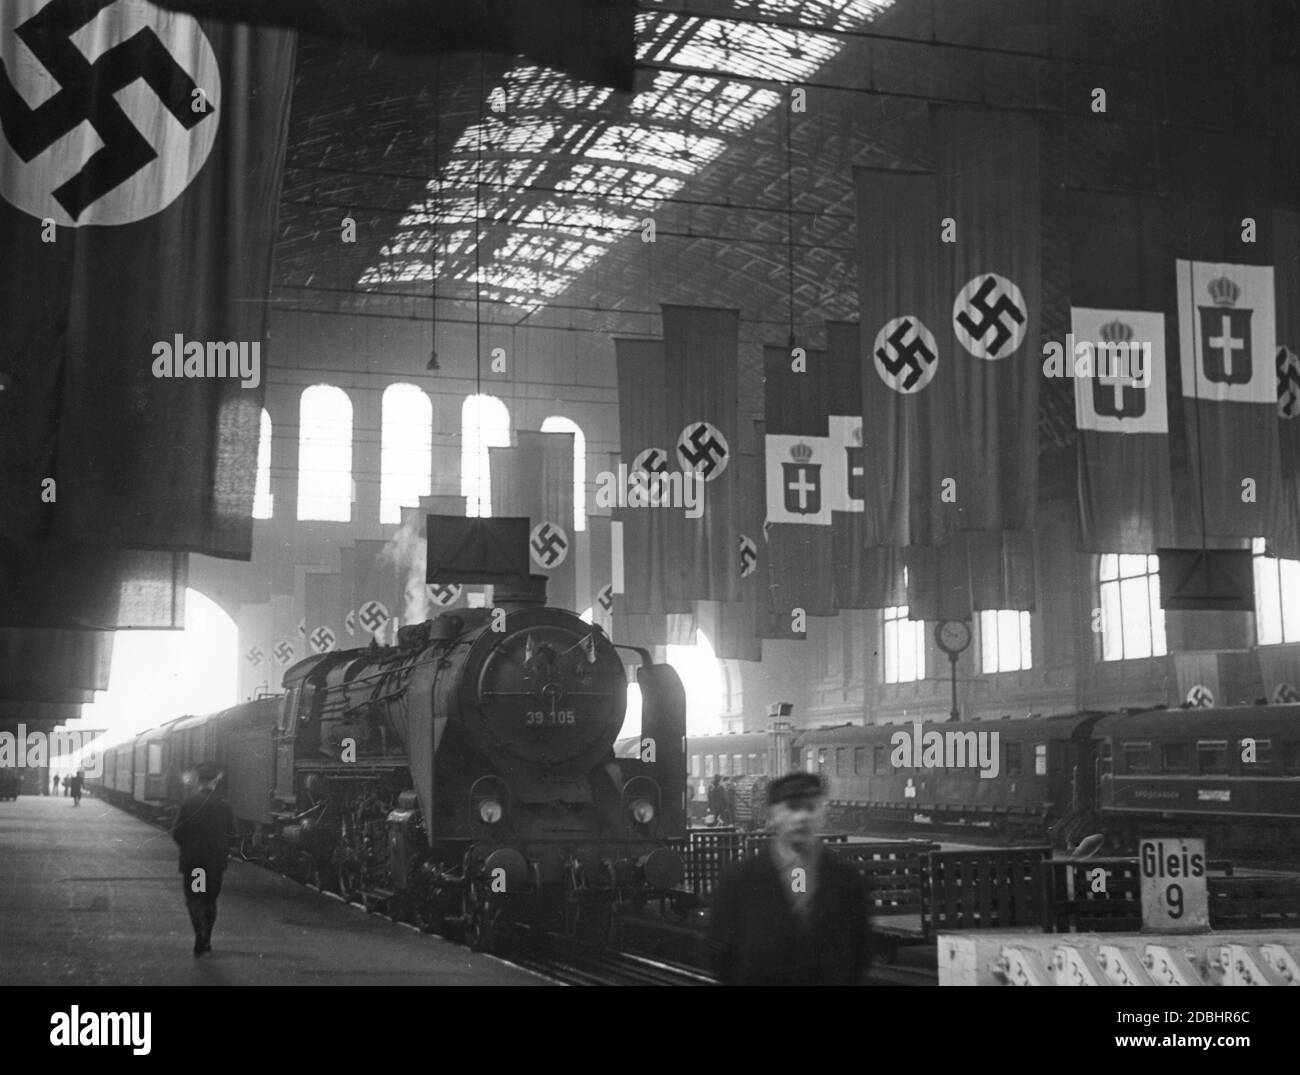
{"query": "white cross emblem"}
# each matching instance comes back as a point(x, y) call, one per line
point(1226, 342)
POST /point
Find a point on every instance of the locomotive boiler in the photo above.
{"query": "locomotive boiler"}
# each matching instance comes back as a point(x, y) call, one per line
point(468, 774)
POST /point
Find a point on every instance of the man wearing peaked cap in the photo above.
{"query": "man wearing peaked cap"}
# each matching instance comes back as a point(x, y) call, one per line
point(203, 831)
point(791, 914)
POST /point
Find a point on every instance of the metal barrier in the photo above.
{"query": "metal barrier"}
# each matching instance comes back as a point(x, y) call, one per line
point(996, 889)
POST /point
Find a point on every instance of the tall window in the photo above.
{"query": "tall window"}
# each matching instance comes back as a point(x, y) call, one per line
point(325, 454)
point(558, 424)
point(406, 454)
point(485, 423)
point(263, 502)
point(904, 646)
point(1005, 641)
point(1277, 598)
point(1132, 621)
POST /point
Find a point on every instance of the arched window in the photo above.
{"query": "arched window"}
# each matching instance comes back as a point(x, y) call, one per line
point(263, 502)
point(1132, 621)
point(559, 424)
point(485, 423)
point(325, 454)
point(406, 452)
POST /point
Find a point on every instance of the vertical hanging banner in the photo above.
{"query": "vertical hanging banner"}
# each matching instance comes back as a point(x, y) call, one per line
point(1116, 359)
point(441, 596)
point(377, 591)
point(320, 610)
point(347, 603)
point(535, 480)
point(736, 628)
point(650, 525)
point(256, 660)
point(1284, 531)
point(904, 373)
point(141, 157)
point(988, 187)
point(701, 372)
point(286, 643)
point(806, 480)
point(601, 572)
point(1219, 224)
point(865, 575)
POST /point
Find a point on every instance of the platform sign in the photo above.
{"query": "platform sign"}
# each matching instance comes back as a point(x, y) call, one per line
point(1174, 896)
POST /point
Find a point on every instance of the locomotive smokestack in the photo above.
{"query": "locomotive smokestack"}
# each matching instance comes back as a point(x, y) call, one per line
point(520, 592)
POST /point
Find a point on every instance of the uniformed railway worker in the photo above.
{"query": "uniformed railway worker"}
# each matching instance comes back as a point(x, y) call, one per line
point(793, 914)
point(203, 831)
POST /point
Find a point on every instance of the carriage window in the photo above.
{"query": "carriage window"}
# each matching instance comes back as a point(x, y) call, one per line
point(737, 765)
point(724, 768)
point(155, 759)
point(1040, 759)
point(821, 760)
point(841, 761)
point(695, 765)
point(1015, 760)
point(810, 763)
point(1212, 755)
point(878, 760)
point(1175, 757)
point(1263, 753)
point(1137, 757)
point(708, 765)
point(1291, 756)
point(753, 765)
point(859, 759)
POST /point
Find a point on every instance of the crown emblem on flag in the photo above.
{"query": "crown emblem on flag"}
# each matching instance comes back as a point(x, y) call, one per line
point(1116, 332)
point(801, 453)
point(1223, 291)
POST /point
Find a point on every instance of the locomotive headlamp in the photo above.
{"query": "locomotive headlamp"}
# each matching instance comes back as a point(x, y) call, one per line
point(642, 811)
point(490, 811)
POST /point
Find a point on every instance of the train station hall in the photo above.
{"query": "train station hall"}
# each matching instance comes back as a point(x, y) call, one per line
point(472, 513)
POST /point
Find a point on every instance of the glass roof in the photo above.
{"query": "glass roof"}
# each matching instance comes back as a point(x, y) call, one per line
point(559, 181)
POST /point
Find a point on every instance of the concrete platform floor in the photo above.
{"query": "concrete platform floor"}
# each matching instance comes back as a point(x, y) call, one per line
point(90, 895)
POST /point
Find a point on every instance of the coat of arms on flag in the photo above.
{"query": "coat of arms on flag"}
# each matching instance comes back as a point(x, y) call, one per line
point(1227, 331)
point(801, 482)
point(1118, 367)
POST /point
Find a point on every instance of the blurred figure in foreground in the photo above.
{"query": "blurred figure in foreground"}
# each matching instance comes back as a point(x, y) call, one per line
point(792, 914)
point(203, 831)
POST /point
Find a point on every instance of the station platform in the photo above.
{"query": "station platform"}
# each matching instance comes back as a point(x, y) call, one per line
point(90, 895)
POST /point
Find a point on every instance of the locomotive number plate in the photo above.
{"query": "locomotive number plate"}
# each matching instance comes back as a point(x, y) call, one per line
point(537, 718)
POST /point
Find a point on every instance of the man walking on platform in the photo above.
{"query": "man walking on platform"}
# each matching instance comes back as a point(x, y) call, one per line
point(74, 784)
point(203, 831)
point(791, 914)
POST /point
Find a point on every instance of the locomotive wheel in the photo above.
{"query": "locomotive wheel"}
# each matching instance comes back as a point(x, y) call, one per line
point(482, 919)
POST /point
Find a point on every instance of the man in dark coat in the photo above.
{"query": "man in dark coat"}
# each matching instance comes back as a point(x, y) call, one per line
point(203, 830)
point(792, 914)
point(74, 783)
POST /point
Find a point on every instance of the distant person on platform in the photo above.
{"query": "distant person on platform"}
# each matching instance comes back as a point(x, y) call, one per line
point(56, 787)
point(729, 800)
point(74, 785)
point(793, 915)
point(717, 799)
point(203, 831)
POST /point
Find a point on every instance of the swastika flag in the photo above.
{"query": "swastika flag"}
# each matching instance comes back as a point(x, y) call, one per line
point(141, 155)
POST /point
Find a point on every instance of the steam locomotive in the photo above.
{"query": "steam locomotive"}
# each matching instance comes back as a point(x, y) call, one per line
point(461, 778)
point(1231, 775)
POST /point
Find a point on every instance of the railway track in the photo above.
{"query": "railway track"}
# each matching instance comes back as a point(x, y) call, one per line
point(569, 964)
